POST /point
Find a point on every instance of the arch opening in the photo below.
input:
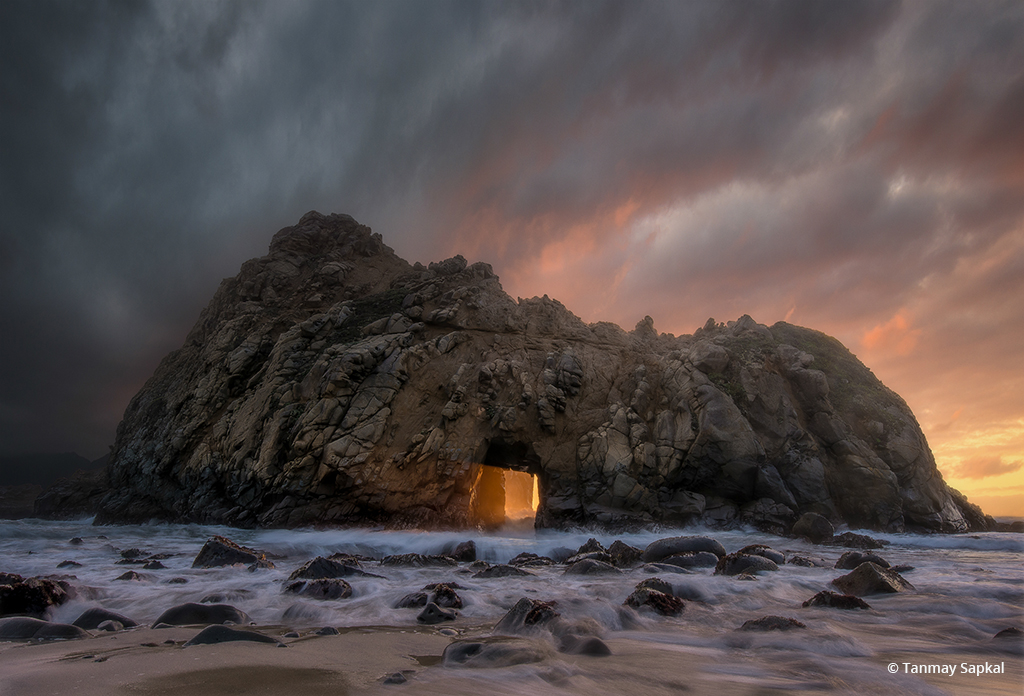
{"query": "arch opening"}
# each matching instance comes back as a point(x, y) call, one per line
point(506, 490)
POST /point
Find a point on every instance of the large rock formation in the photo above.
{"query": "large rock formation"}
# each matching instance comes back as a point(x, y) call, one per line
point(330, 382)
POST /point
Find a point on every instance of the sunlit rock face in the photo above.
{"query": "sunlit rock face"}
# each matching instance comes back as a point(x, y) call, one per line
point(330, 382)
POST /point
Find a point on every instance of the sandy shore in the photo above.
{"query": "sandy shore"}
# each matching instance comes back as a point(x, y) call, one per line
point(153, 662)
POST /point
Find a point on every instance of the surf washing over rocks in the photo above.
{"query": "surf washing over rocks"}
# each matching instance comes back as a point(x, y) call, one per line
point(555, 612)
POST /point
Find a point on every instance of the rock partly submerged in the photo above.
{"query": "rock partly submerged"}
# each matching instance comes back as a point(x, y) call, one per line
point(331, 382)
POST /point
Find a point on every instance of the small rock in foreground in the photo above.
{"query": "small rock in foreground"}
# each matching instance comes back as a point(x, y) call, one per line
point(826, 598)
point(771, 623)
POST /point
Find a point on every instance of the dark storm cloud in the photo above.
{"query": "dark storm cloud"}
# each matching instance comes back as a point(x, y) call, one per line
point(745, 156)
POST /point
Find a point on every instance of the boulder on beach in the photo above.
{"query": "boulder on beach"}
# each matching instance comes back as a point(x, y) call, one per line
point(530, 560)
point(826, 598)
point(591, 566)
point(29, 628)
point(768, 552)
point(433, 614)
point(869, 578)
point(664, 604)
point(591, 646)
point(771, 623)
point(322, 588)
point(852, 540)
point(193, 613)
point(90, 619)
point(321, 568)
point(813, 527)
point(526, 615)
point(495, 652)
point(463, 552)
point(31, 596)
point(623, 555)
point(220, 551)
point(663, 548)
point(222, 634)
point(852, 559)
point(740, 563)
point(692, 559)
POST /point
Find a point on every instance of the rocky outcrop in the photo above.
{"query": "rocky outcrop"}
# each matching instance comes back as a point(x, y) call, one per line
point(71, 497)
point(330, 382)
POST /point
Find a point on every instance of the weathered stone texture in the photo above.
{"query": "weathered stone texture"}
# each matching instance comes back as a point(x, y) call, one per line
point(330, 382)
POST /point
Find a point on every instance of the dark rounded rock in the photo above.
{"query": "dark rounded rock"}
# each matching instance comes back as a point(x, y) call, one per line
point(655, 584)
point(771, 623)
point(321, 568)
point(666, 568)
point(154, 565)
point(223, 634)
point(193, 613)
point(852, 559)
point(69, 564)
point(530, 560)
point(59, 631)
point(495, 652)
point(589, 566)
point(591, 546)
point(764, 551)
point(670, 546)
point(743, 563)
point(433, 614)
point(324, 588)
point(464, 552)
point(31, 597)
point(664, 604)
point(692, 559)
point(444, 595)
point(813, 527)
point(413, 600)
point(806, 562)
point(857, 541)
point(111, 626)
point(571, 644)
point(525, 615)
point(131, 576)
point(20, 627)
point(602, 556)
point(869, 578)
point(623, 555)
point(91, 618)
point(328, 631)
point(826, 598)
point(220, 551)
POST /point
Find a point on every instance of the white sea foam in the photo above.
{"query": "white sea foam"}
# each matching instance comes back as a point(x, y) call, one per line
point(968, 588)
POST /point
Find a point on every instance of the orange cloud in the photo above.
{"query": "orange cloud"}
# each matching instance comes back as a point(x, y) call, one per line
point(893, 336)
point(983, 467)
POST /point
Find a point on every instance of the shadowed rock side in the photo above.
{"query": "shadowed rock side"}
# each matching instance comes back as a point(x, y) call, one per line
point(330, 382)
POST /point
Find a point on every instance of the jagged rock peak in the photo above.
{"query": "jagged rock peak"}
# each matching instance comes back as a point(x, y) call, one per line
point(331, 382)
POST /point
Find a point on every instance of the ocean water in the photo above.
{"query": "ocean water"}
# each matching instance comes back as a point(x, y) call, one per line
point(968, 588)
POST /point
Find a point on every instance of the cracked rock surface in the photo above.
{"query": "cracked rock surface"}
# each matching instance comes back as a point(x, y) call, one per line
point(331, 382)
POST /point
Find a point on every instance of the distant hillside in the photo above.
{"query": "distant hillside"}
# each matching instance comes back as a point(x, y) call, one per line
point(44, 469)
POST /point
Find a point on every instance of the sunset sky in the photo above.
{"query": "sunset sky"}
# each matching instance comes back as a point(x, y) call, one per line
point(854, 167)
